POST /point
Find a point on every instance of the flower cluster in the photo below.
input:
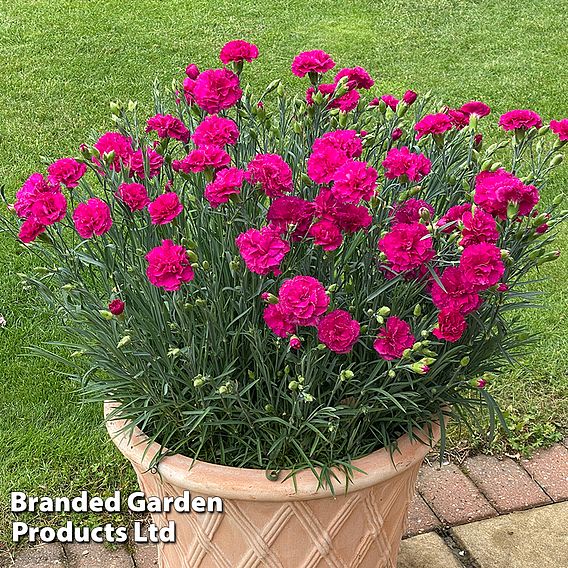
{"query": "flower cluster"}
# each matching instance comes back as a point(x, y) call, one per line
point(307, 261)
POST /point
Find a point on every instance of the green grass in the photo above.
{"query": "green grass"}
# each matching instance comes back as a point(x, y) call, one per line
point(62, 61)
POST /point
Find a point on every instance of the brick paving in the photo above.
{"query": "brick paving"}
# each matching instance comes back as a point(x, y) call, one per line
point(506, 485)
point(549, 468)
point(482, 487)
point(453, 497)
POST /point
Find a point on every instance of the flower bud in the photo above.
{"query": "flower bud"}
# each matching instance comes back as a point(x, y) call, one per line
point(108, 157)
point(495, 166)
point(556, 160)
point(543, 130)
point(420, 368)
point(380, 319)
point(115, 108)
point(486, 165)
point(396, 134)
point(391, 374)
point(295, 342)
point(384, 311)
point(425, 215)
point(269, 408)
point(308, 397)
point(124, 341)
point(464, 362)
point(293, 385)
point(417, 310)
point(548, 257)
point(205, 265)
point(346, 375)
point(198, 381)
point(105, 314)
point(409, 97)
point(223, 389)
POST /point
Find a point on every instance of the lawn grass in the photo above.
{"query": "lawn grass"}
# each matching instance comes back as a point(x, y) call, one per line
point(62, 61)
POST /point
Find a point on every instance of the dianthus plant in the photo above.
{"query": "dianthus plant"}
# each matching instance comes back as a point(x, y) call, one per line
point(289, 282)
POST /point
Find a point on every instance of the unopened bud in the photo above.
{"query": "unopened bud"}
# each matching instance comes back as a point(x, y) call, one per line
point(417, 310)
point(464, 362)
point(124, 341)
point(105, 314)
point(556, 160)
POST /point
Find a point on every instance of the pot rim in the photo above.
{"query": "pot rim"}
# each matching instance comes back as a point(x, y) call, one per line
point(227, 482)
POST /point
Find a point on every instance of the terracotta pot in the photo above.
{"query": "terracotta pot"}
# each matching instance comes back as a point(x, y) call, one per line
point(273, 524)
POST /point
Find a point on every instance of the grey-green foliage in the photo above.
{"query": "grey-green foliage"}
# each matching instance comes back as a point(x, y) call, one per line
point(200, 372)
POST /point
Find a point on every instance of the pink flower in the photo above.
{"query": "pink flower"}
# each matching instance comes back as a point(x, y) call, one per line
point(324, 162)
point(263, 250)
point(457, 294)
point(338, 331)
point(357, 78)
point(352, 218)
point(169, 266)
point(227, 182)
point(393, 339)
point(303, 300)
point(116, 307)
point(454, 214)
point(433, 124)
point(482, 266)
point(289, 212)
point(168, 126)
point(478, 228)
point(404, 164)
point(346, 102)
point(30, 191)
point(346, 141)
point(188, 90)
point(390, 101)
point(155, 162)
point(407, 246)
point(238, 50)
point(354, 181)
point(278, 321)
point(165, 208)
point(271, 173)
point(30, 230)
point(560, 128)
point(316, 61)
point(67, 171)
point(459, 119)
point(494, 191)
point(520, 120)
point(134, 195)
point(117, 143)
point(326, 234)
point(48, 208)
point(475, 107)
point(409, 97)
point(451, 325)
point(216, 90)
point(216, 131)
point(201, 159)
point(409, 211)
point(92, 218)
point(396, 134)
point(192, 71)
